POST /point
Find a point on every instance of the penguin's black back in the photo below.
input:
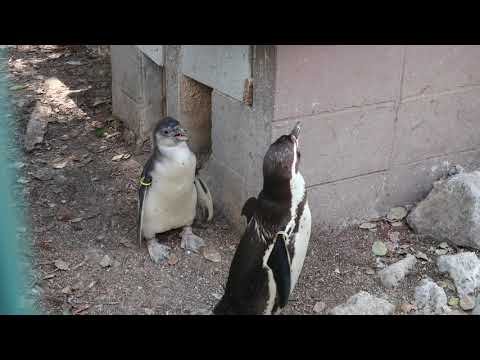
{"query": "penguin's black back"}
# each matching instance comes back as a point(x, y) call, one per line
point(246, 291)
point(247, 284)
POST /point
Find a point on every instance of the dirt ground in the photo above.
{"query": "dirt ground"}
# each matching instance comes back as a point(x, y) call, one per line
point(82, 206)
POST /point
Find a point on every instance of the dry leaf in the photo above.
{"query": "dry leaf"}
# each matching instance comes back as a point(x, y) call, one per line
point(81, 309)
point(109, 136)
point(117, 157)
point(217, 296)
point(99, 102)
point(17, 87)
point(77, 266)
point(420, 255)
point(212, 255)
point(73, 63)
point(125, 242)
point(379, 248)
point(98, 124)
point(173, 259)
point(61, 265)
point(368, 225)
point(60, 164)
point(453, 301)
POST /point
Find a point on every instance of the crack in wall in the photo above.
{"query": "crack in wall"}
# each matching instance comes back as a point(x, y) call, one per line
point(386, 171)
point(353, 108)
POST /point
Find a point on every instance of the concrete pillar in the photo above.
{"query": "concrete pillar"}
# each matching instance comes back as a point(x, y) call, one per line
point(138, 97)
point(196, 116)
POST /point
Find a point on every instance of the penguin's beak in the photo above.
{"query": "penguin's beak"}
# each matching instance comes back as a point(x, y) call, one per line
point(296, 131)
point(181, 134)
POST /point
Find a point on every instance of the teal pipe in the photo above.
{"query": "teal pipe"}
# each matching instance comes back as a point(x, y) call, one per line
point(13, 269)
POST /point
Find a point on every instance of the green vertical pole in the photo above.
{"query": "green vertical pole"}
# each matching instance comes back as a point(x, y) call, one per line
point(12, 286)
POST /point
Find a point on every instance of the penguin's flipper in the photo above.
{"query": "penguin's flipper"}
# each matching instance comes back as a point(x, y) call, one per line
point(142, 194)
point(249, 208)
point(204, 200)
point(145, 182)
point(279, 263)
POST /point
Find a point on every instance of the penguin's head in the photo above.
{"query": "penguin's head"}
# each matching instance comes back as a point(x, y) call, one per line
point(168, 132)
point(283, 157)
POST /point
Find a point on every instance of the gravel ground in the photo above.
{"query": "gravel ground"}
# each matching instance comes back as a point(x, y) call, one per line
point(82, 207)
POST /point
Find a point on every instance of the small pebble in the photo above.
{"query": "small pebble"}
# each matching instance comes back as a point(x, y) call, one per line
point(420, 255)
point(106, 261)
point(467, 302)
point(406, 308)
point(319, 307)
point(149, 311)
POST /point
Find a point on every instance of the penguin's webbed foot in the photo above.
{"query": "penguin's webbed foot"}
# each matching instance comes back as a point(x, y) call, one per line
point(158, 252)
point(190, 241)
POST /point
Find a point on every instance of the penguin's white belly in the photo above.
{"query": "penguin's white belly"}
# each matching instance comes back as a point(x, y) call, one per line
point(272, 292)
point(301, 240)
point(171, 201)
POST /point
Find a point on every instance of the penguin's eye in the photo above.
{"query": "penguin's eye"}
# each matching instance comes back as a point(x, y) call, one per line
point(165, 132)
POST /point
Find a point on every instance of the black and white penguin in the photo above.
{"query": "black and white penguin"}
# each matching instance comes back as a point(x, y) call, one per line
point(271, 252)
point(171, 195)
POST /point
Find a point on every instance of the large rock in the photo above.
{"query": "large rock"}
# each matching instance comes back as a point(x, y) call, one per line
point(393, 274)
point(476, 310)
point(364, 304)
point(430, 298)
point(451, 212)
point(464, 269)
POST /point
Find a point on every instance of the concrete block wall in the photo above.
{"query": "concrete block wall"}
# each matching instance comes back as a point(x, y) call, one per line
point(381, 123)
point(228, 136)
point(138, 97)
point(240, 133)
